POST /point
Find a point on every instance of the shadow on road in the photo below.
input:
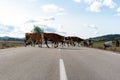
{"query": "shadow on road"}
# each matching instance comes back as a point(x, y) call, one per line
point(72, 48)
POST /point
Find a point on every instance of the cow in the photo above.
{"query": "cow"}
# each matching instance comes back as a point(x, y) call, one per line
point(111, 44)
point(108, 44)
point(54, 38)
point(67, 41)
point(88, 43)
point(33, 38)
point(117, 43)
point(75, 40)
point(85, 43)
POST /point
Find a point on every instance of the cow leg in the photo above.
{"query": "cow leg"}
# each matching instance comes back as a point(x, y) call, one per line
point(40, 43)
point(32, 42)
point(46, 43)
point(105, 47)
point(68, 43)
point(73, 44)
point(53, 44)
point(28, 42)
point(63, 44)
point(36, 42)
point(56, 45)
point(78, 44)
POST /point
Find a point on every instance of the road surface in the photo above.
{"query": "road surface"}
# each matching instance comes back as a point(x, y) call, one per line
point(70, 63)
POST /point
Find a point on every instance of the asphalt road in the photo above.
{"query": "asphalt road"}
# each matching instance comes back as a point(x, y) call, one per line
point(70, 63)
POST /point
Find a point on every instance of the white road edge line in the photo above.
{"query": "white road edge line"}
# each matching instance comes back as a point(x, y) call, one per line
point(63, 75)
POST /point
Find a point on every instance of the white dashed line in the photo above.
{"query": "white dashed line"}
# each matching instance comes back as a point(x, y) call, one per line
point(63, 75)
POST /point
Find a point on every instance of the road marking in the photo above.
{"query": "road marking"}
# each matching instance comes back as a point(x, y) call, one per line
point(63, 75)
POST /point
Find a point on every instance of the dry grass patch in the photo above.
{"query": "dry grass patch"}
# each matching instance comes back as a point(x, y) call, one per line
point(99, 45)
point(9, 44)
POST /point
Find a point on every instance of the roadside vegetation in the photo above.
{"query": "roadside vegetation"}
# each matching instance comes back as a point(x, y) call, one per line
point(99, 45)
point(99, 42)
point(10, 44)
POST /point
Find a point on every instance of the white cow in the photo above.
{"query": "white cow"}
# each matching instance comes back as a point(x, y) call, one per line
point(108, 44)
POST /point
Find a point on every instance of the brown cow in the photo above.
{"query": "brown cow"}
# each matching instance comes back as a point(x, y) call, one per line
point(75, 40)
point(85, 43)
point(34, 38)
point(88, 43)
point(68, 41)
point(54, 38)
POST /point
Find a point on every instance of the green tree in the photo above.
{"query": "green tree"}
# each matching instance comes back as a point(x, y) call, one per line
point(37, 29)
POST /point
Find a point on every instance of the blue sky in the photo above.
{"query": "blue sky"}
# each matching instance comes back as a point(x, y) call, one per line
point(82, 18)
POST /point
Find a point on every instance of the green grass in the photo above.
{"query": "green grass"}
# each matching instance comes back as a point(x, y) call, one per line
point(99, 45)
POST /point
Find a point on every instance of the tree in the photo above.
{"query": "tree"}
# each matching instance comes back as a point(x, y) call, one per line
point(37, 29)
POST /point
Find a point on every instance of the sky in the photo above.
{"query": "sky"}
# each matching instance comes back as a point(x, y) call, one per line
point(82, 18)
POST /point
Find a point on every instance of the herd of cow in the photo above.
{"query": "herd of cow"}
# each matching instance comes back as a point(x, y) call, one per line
point(53, 38)
point(56, 40)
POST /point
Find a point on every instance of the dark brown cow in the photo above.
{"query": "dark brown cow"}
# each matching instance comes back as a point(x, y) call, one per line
point(75, 40)
point(34, 38)
point(85, 43)
point(54, 38)
point(68, 41)
point(88, 43)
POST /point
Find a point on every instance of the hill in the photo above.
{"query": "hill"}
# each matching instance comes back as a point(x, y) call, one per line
point(109, 37)
point(6, 38)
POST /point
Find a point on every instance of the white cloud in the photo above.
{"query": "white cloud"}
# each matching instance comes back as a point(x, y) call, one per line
point(95, 6)
point(92, 26)
point(96, 32)
point(109, 3)
point(118, 14)
point(6, 28)
point(89, 1)
point(31, 21)
point(77, 1)
point(40, 19)
point(49, 19)
point(34, 0)
point(52, 8)
point(61, 13)
point(118, 11)
point(12, 31)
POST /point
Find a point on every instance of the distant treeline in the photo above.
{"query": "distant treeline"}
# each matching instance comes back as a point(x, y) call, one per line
point(11, 39)
point(110, 37)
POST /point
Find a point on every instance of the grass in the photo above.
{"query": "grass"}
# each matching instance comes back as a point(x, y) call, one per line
point(9, 44)
point(99, 45)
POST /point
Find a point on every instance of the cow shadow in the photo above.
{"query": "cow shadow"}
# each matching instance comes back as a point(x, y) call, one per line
point(71, 48)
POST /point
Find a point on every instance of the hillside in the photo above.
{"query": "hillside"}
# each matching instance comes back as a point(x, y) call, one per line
point(107, 37)
point(6, 38)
